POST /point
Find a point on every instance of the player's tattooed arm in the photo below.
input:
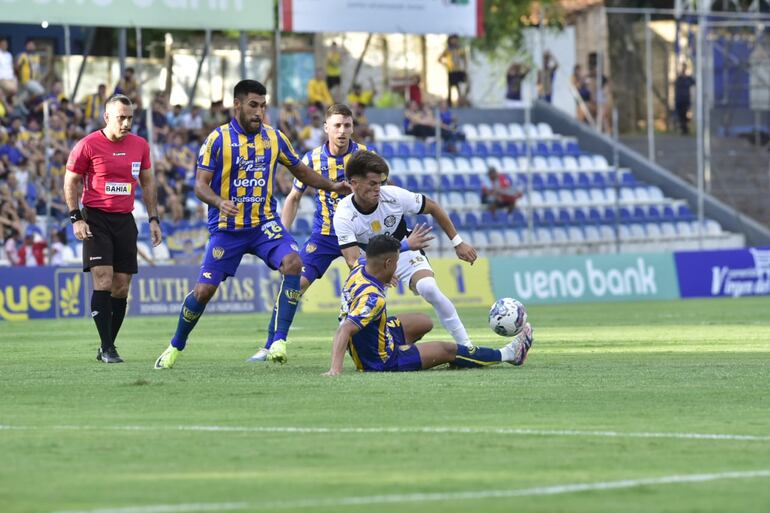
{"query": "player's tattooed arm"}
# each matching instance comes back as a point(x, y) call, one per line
point(206, 194)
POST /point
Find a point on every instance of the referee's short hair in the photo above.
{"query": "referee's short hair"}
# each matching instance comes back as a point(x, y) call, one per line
point(243, 88)
point(120, 98)
point(363, 162)
point(382, 245)
point(339, 108)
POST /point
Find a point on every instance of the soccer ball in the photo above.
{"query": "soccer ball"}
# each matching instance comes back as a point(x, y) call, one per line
point(507, 317)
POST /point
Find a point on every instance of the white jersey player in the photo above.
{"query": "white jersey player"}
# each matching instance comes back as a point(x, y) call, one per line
point(375, 209)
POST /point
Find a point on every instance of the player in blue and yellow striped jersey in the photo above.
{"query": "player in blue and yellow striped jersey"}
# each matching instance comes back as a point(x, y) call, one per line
point(328, 160)
point(236, 171)
point(378, 343)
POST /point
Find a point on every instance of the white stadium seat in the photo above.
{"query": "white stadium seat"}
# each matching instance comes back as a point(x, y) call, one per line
point(379, 132)
point(501, 132)
point(485, 132)
point(462, 165)
point(516, 132)
point(470, 132)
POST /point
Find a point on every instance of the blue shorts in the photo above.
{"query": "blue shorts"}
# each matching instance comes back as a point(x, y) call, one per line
point(405, 358)
point(270, 242)
point(317, 254)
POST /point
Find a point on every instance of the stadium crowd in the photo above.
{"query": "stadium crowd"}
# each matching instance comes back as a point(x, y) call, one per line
point(32, 164)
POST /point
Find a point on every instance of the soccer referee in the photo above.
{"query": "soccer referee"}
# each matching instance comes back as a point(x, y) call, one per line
point(107, 163)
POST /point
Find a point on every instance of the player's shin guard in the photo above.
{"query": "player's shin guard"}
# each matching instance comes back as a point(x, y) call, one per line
point(101, 312)
point(188, 318)
point(271, 329)
point(476, 356)
point(286, 306)
point(446, 311)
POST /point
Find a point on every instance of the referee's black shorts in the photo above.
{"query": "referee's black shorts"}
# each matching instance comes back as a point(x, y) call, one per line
point(113, 242)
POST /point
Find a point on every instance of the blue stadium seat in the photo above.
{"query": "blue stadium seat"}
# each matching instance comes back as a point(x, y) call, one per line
point(668, 213)
point(564, 217)
point(612, 178)
point(542, 149)
point(549, 217)
point(653, 214)
point(480, 150)
point(609, 216)
point(419, 150)
point(624, 215)
point(487, 220)
point(572, 149)
point(579, 216)
point(403, 151)
point(465, 150)
point(412, 184)
point(512, 149)
point(397, 181)
point(459, 183)
point(597, 180)
point(421, 219)
point(537, 182)
point(387, 151)
point(583, 181)
point(557, 149)
point(428, 184)
point(639, 215)
point(501, 219)
point(594, 216)
point(628, 179)
point(446, 183)
point(537, 218)
point(567, 181)
point(456, 220)
point(517, 219)
point(301, 226)
point(552, 181)
point(474, 183)
point(684, 213)
point(471, 221)
point(496, 150)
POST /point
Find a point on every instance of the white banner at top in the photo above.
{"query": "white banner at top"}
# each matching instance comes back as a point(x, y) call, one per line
point(463, 17)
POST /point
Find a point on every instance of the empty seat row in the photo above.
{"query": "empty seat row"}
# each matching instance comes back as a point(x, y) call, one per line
point(468, 149)
point(584, 163)
point(510, 238)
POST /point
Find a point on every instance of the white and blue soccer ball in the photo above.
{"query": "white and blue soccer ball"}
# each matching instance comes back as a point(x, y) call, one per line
point(507, 317)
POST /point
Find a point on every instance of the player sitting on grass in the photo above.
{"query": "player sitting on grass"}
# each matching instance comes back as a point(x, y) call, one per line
point(379, 343)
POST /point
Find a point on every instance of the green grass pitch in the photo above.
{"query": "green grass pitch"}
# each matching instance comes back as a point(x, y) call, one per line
point(607, 415)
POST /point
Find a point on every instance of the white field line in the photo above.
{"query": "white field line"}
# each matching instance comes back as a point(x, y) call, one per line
point(405, 430)
point(436, 497)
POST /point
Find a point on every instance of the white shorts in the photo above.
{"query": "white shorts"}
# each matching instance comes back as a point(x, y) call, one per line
point(409, 262)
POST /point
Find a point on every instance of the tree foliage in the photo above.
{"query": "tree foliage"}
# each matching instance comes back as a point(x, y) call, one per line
point(505, 21)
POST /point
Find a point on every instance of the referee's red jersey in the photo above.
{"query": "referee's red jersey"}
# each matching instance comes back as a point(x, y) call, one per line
point(110, 170)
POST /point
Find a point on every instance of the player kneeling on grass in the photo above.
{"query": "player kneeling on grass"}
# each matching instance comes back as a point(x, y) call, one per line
point(387, 344)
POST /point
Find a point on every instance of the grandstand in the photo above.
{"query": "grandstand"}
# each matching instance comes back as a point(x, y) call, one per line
point(574, 200)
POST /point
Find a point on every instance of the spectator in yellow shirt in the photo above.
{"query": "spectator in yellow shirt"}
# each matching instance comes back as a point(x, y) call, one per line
point(455, 60)
point(333, 67)
point(318, 92)
point(28, 64)
point(361, 96)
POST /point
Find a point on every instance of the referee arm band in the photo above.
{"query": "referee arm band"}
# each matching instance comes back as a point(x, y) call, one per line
point(75, 216)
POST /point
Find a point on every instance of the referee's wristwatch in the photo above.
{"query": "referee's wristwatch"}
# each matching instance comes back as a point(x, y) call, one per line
point(75, 216)
point(154, 218)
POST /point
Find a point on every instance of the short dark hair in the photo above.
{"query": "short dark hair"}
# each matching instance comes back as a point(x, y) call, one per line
point(363, 162)
point(382, 245)
point(120, 98)
point(243, 88)
point(339, 108)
